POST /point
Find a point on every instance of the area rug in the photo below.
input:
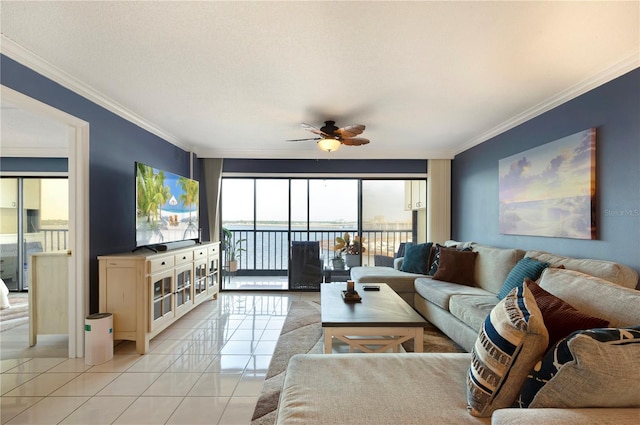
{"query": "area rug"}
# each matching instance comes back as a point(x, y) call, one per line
point(17, 314)
point(302, 333)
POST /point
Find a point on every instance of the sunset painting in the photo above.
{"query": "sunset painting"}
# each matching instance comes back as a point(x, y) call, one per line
point(550, 190)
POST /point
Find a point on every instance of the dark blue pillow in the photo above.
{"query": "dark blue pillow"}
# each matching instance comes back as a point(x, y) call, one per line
point(416, 258)
point(526, 267)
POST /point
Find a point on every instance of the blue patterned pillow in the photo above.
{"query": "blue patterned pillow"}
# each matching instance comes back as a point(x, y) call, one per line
point(590, 368)
point(416, 258)
point(526, 267)
point(512, 339)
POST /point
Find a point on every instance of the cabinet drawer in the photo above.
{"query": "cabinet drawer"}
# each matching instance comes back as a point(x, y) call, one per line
point(213, 251)
point(115, 262)
point(185, 257)
point(200, 253)
point(161, 264)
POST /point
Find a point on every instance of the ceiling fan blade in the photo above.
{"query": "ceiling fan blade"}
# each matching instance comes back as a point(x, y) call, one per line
point(314, 130)
point(351, 130)
point(303, 140)
point(355, 141)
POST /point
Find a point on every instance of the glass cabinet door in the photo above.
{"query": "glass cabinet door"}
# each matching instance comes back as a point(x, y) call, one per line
point(213, 270)
point(162, 299)
point(200, 285)
point(184, 288)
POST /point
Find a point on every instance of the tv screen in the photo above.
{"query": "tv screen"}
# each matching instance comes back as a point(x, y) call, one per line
point(166, 206)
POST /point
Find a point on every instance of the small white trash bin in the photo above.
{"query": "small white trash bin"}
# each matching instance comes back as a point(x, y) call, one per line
point(98, 338)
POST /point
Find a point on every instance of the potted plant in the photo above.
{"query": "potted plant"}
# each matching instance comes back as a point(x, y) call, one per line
point(233, 249)
point(351, 248)
point(337, 261)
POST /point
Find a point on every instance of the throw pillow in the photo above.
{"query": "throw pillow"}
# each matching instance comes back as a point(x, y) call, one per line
point(416, 258)
point(560, 318)
point(436, 256)
point(512, 339)
point(526, 267)
point(589, 368)
point(457, 267)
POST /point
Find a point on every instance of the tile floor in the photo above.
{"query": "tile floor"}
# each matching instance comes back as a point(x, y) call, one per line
point(208, 368)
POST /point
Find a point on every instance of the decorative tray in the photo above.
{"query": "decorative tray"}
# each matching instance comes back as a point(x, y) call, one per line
point(351, 298)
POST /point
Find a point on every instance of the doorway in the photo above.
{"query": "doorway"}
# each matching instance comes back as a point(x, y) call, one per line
point(77, 152)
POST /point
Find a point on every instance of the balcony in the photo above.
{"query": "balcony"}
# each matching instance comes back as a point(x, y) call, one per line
point(265, 263)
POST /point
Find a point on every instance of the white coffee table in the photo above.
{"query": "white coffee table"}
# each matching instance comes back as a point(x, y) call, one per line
point(382, 320)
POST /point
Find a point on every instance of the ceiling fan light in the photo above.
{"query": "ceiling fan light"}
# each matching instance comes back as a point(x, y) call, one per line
point(329, 145)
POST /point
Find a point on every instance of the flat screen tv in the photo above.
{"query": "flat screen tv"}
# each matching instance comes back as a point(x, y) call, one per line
point(166, 207)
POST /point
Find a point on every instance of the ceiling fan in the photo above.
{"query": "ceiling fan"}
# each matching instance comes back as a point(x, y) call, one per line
point(332, 137)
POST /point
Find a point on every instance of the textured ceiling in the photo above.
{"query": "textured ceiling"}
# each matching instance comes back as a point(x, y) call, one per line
point(236, 79)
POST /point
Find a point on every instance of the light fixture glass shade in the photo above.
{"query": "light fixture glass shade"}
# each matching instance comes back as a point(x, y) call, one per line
point(329, 145)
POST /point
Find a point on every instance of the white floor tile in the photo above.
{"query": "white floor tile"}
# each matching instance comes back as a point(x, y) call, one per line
point(10, 407)
point(153, 363)
point(209, 367)
point(191, 363)
point(199, 410)
point(130, 384)
point(229, 363)
point(99, 410)
point(172, 384)
point(239, 411)
point(215, 384)
point(149, 410)
point(42, 385)
point(119, 363)
point(37, 365)
point(49, 410)
point(250, 384)
point(10, 381)
point(85, 384)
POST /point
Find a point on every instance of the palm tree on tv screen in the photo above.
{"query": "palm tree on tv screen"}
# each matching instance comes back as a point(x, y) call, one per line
point(188, 197)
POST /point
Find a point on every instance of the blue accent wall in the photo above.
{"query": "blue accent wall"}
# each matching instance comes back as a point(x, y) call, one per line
point(58, 165)
point(115, 145)
point(326, 166)
point(614, 110)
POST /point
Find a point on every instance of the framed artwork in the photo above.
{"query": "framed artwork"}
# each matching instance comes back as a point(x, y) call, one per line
point(550, 190)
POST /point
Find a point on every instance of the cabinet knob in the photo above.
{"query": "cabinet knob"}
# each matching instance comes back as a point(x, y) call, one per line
point(163, 263)
point(184, 258)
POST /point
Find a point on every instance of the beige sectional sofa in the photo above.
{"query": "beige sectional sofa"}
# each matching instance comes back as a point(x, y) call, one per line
point(431, 388)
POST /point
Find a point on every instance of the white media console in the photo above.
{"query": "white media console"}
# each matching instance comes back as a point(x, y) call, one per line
point(147, 292)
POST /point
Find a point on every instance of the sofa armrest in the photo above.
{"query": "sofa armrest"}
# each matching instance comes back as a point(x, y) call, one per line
point(591, 416)
point(397, 263)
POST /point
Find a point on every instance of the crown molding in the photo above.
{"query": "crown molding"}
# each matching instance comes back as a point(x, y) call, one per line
point(36, 152)
point(29, 59)
point(628, 64)
point(316, 153)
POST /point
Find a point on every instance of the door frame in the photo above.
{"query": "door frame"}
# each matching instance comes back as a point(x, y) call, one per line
point(78, 174)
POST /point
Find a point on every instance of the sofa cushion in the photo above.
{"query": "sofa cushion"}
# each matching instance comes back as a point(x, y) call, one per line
point(526, 267)
point(398, 281)
point(472, 309)
point(593, 296)
point(493, 266)
point(560, 318)
point(408, 388)
point(456, 266)
point(607, 270)
point(416, 258)
point(439, 292)
point(589, 368)
point(512, 339)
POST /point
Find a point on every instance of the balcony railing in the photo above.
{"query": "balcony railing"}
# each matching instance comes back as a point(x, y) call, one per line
point(268, 250)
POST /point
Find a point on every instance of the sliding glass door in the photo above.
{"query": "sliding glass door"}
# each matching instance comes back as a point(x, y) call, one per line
point(386, 222)
point(34, 217)
point(285, 230)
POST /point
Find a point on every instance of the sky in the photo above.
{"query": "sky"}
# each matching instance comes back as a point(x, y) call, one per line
point(331, 200)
